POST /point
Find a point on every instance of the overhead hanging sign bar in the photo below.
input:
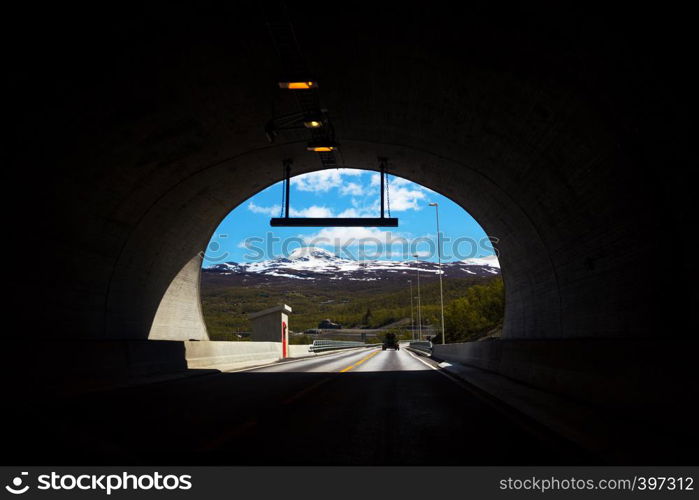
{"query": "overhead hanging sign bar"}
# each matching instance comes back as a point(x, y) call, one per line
point(287, 221)
point(334, 222)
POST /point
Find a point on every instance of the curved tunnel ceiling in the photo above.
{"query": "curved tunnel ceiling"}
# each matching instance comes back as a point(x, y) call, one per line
point(160, 134)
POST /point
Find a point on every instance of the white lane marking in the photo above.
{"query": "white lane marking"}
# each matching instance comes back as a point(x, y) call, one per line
point(421, 361)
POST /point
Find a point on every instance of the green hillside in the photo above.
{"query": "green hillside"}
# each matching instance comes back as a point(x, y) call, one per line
point(474, 307)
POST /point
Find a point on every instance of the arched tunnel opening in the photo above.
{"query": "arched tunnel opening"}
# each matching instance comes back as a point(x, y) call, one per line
point(363, 277)
point(136, 134)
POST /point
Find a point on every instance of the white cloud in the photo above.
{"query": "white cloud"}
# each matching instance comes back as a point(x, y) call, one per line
point(393, 181)
point(368, 206)
point(313, 211)
point(323, 180)
point(399, 181)
point(402, 194)
point(359, 210)
point(403, 198)
point(273, 211)
point(350, 171)
point(352, 188)
point(350, 236)
point(349, 212)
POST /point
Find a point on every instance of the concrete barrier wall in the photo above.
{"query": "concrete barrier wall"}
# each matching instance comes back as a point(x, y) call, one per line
point(300, 351)
point(230, 355)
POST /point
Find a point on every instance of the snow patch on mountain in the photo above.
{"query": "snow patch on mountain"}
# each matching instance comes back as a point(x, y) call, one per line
point(490, 260)
point(312, 262)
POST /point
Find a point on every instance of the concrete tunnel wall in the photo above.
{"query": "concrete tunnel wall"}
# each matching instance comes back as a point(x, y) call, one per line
point(541, 313)
point(179, 315)
point(151, 133)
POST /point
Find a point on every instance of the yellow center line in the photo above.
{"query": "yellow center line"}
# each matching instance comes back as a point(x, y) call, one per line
point(360, 362)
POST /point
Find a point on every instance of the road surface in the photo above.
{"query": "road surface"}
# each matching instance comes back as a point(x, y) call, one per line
point(358, 407)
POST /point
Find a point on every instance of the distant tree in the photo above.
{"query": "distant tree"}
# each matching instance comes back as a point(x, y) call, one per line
point(480, 310)
point(366, 319)
point(473, 307)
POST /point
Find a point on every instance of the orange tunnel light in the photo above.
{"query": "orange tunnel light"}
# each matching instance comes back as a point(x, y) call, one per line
point(298, 85)
point(321, 149)
point(312, 123)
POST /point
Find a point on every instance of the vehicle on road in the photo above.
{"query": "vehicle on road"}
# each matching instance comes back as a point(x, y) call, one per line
point(390, 341)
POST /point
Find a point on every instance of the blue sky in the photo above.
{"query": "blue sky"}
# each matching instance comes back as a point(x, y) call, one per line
point(245, 235)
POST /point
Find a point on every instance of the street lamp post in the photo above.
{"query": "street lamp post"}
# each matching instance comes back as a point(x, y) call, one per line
point(412, 320)
point(419, 313)
point(439, 256)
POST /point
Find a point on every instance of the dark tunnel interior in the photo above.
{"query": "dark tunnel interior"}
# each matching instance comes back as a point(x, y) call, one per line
point(563, 130)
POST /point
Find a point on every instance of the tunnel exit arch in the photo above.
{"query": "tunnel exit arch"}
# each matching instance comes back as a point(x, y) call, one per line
point(166, 303)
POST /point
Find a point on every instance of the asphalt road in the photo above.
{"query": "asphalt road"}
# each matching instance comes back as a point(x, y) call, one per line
point(359, 407)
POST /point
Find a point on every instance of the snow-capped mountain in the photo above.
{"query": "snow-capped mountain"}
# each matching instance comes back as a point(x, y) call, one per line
point(315, 263)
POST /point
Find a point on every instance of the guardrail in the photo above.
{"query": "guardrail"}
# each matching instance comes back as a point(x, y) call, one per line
point(422, 346)
point(330, 345)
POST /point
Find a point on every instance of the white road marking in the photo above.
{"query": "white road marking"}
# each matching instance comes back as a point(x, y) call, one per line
point(421, 361)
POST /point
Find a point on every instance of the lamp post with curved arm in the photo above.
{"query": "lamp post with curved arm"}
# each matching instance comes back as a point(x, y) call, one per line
point(439, 256)
point(412, 318)
point(419, 313)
